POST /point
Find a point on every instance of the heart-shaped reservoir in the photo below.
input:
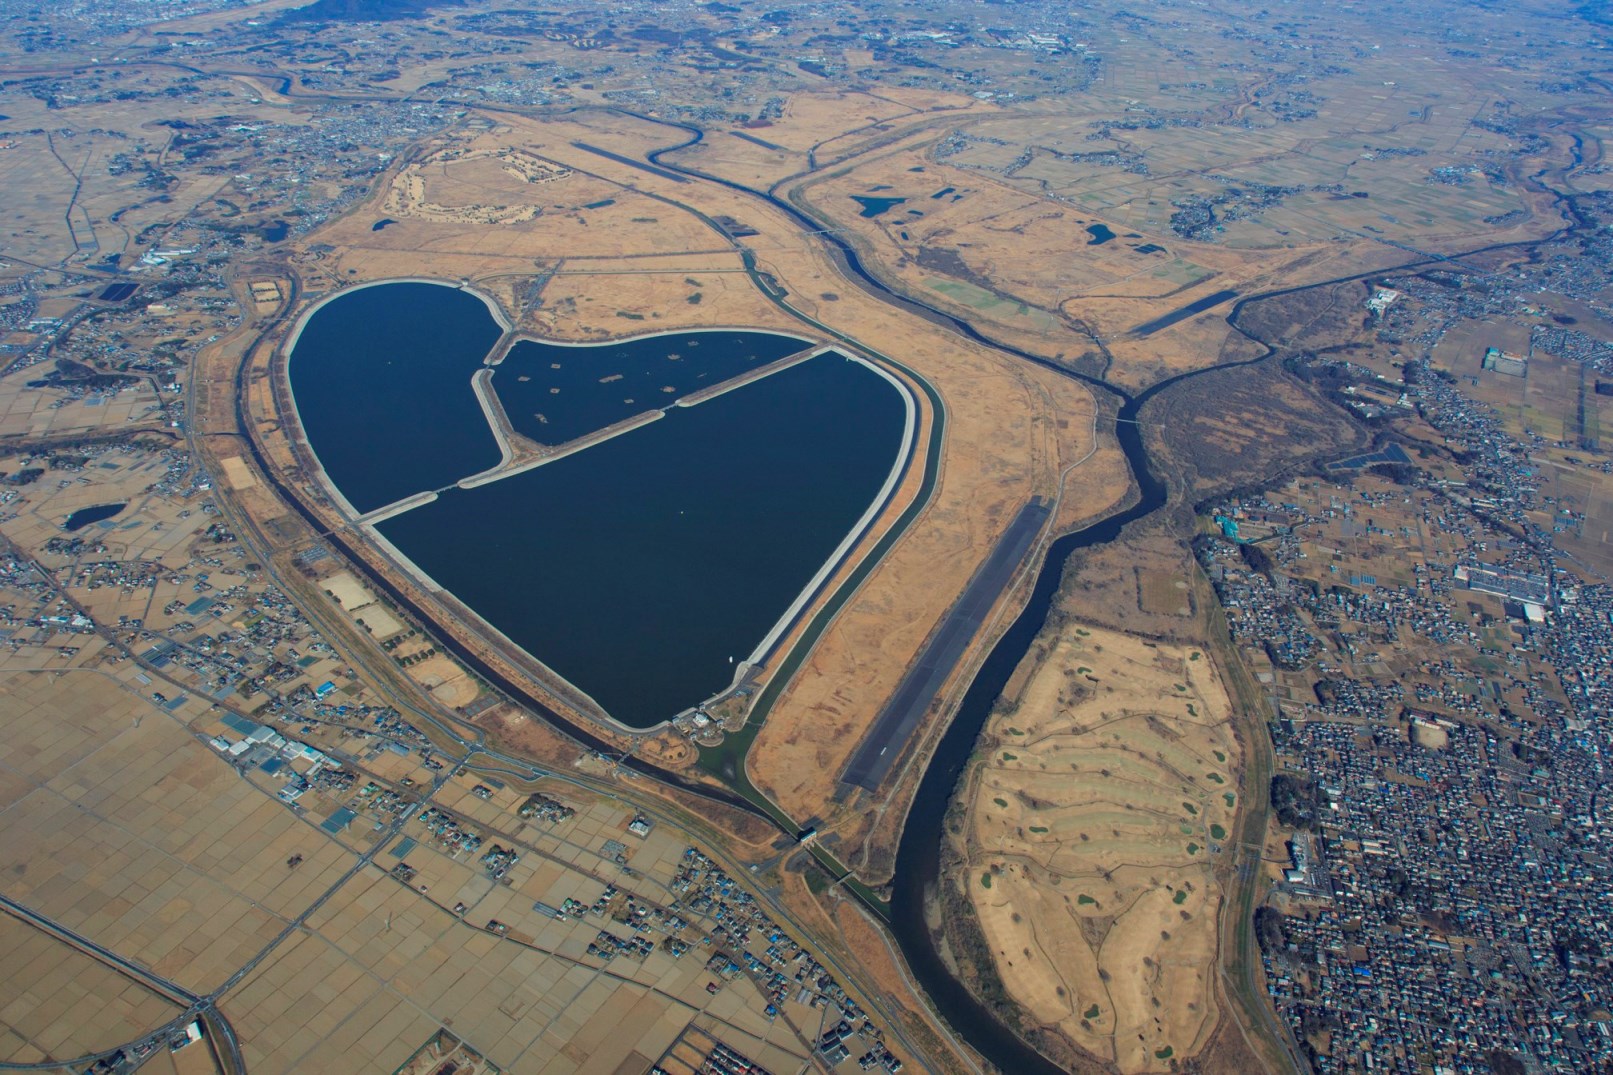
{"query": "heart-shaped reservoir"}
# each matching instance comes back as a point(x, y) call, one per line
point(647, 567)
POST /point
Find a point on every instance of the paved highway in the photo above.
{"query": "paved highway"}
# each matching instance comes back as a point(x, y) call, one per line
point(221, 1036)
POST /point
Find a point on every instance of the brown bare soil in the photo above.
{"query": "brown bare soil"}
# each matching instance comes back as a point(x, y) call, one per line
point(997, 218)
point(447, 682)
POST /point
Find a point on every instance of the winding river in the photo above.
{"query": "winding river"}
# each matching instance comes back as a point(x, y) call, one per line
point(918, 856)
point(918, 859)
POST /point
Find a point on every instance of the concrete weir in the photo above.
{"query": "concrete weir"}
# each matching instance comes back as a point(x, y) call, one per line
point(505, 470)
point(696, 398)
point(397, 508)
point(493, 411)
point(481, 381)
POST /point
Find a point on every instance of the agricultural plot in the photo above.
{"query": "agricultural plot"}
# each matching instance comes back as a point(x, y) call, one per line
point(87, 183)
point(1552, 402)
point(45, 989)
point(1095, 218)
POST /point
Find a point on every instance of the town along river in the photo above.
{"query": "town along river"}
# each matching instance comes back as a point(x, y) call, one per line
point(382, 380)
point(644, 567)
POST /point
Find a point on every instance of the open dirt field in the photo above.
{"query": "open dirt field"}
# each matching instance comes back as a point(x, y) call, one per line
point(587, 300)
point(1096, 817)
point(821, 128)
point(494, 199)
point(446, 680)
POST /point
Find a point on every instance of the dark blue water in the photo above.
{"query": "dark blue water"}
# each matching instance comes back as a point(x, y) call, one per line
point(85, 516)
point(381, 376)
point(873, 207)
point(637, 567)
point(554, 394)
point(1100, 234)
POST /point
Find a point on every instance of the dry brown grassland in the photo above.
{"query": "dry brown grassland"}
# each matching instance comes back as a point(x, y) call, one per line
point(1012, 432)
point(1097, 810)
